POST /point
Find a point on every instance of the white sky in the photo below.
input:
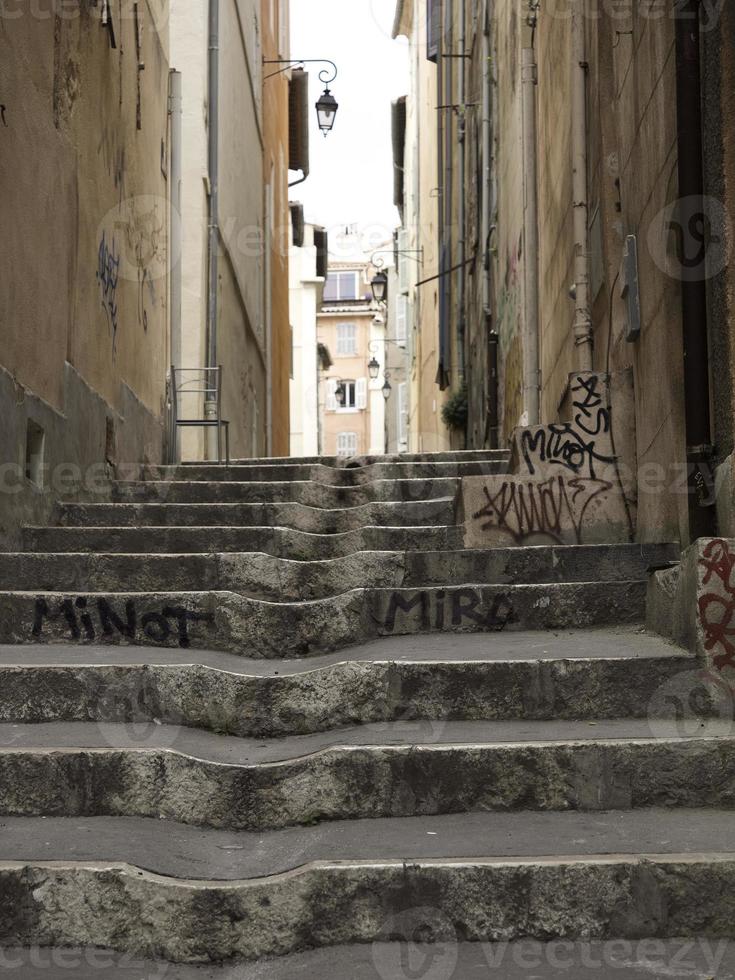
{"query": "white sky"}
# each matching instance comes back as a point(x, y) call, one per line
point(351, 179)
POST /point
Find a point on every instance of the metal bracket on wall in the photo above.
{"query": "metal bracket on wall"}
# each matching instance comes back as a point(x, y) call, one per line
point(2, 115)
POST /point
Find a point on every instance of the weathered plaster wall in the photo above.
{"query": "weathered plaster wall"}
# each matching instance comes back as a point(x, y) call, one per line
point(632, 140)
point(83, 304)
point(275, 164)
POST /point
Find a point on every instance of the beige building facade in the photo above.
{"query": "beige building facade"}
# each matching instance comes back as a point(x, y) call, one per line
point(352, 408)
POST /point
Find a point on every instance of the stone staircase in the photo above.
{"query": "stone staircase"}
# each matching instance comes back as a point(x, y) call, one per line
point(251, 712)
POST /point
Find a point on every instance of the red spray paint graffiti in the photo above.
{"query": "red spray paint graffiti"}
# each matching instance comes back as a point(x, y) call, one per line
point(717, 609)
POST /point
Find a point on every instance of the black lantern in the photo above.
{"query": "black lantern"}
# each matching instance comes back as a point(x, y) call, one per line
point(326, 110)
point(340, 394)
point(387, 389)
point(373, 369)
point(379, 286)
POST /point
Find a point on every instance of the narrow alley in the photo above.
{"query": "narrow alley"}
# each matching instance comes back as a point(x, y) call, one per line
point(367, 490)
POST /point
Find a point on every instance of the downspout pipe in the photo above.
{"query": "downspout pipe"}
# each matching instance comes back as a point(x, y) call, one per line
point(175, 108)
point(698, 428)
point(531, 379)
point(213, 169)
point(491, 425)
point(210, 407)
point(583, 339)
point(462, 194)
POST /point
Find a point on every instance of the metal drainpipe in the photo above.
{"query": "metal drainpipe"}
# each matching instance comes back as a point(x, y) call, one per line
point(702, 518)
point(175, 232)
point(491, 428)
point(210, 408)
point(583, 316)
point(462, 190)
point(530, 233)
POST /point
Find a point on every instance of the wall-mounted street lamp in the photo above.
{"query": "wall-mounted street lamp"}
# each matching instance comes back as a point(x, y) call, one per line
point(326, 110)
point(379, 286)
point(387, 387)
point(326, 107)
point(340, 394)
point(374, 368)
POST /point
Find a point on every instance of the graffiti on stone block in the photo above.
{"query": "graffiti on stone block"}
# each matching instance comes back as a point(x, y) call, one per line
point(439, 610)
point(716, 604)
point(108, 277)
point(524, 510)
point(91, 620)
point(573, 446)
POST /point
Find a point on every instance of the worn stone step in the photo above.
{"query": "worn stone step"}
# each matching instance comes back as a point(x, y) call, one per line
point(336, 476)
point(179, 851)
point(314, 520)
point(340, 462)
point(306, 492)
point(256, 628)
point(581, 675)
point(79, 769)
point(340, 903)
point(277, 541)
point(266, 577)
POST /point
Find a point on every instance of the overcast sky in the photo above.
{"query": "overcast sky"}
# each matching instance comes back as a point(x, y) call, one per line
point(351, 180)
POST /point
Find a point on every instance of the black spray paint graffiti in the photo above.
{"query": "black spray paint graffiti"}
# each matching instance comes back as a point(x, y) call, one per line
point(572, 445)
point(439, 610)
point(526, 509)
point(171, 623)
point(108, 276)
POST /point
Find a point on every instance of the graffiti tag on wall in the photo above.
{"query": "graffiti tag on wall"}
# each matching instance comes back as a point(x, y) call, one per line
point(572, 445)
point(716, 605)
point(108, 277)
point(526, 509)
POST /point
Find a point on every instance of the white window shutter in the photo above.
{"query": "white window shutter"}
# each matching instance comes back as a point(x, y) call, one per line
point(403, 412)
point(403, 261)
point(401, 320)
point(331, 395)
point(361, 393)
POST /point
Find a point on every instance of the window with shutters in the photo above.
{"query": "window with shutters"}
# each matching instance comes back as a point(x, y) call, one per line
point(433, 29)
point(341, 286)
point(346, 444)
point(346, 340)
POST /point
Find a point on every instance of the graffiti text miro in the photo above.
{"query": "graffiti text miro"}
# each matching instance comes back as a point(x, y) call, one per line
point(439, 610)
point(104, 624)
